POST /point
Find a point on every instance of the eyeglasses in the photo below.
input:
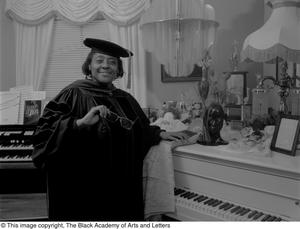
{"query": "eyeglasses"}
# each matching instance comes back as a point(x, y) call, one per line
point(124, 122)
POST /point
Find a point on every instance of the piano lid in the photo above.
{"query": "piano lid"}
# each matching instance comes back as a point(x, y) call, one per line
point(276, 163)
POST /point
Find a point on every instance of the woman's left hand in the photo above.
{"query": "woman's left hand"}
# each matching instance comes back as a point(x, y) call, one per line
point(173, 136)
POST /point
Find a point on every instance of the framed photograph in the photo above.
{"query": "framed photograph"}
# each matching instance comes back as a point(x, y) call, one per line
point(32, 111)
point(286, 135)
point(236, 87)
point(194, 76)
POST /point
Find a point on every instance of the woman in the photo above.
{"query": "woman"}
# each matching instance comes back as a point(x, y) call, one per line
point(91, 140)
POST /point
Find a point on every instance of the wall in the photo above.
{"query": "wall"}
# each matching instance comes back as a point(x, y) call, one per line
point(237, 18)
point(7, 51)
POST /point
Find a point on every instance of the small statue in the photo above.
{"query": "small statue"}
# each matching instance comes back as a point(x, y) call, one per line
point(212, 124)
point(234, 59)
point(203, 84)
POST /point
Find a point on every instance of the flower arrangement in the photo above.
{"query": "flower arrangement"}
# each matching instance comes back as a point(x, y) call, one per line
point(259, 122)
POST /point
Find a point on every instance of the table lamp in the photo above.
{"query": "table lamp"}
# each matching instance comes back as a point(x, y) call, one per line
point(277, 41)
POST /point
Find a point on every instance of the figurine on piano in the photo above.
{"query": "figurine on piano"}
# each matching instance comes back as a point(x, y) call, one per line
point(213, 120)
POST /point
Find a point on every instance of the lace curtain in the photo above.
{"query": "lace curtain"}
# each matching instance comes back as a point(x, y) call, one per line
point(177, 32)
point(32, 50)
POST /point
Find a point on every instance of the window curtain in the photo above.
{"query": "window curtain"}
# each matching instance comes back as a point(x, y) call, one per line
point(123, 15)
point(134, 81)
point(32, 50)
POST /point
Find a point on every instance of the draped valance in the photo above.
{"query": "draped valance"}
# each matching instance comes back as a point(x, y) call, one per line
point(33, 12)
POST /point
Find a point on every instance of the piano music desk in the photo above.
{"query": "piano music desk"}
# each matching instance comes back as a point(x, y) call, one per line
point(267, 184)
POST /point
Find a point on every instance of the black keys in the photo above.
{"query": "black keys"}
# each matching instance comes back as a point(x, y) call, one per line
point(245, 212)
point(272, 218)
point(235, 209)
point(238, 212)
point(258, 215)
point(228, 207)
point(253, 213)
point(178, 191)
point(266, 218)
point(202, 199)
point(217, 203)
point(208, 201)
point(193, 195)
point(185, 194)
point(198, 198)
point(223, 205)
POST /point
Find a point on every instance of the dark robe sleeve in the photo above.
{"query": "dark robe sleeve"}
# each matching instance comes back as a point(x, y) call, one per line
point(151, 133)
point(56, 124)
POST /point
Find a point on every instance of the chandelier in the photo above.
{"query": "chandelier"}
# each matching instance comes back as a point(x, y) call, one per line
point(178, 32)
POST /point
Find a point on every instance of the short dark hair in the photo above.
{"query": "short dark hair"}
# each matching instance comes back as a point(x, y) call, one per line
point(87, 72)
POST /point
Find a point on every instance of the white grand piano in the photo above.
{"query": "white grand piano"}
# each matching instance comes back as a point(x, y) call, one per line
point(212, 184)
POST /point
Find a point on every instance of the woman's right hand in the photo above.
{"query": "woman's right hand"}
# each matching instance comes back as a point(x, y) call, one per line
point(93, 116)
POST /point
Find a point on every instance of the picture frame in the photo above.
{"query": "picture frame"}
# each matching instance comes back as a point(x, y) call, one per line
point(32, 111)
point(236, 87)
point(286, 135)
point(196, 75)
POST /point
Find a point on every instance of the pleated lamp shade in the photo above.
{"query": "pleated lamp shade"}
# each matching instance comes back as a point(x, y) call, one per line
point(278, 37)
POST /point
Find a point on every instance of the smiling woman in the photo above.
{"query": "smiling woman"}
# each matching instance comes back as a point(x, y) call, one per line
point(93, 132)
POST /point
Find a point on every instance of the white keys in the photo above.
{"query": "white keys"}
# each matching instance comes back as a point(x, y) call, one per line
point(208, 208)
point(16, 147)
point(15, 158)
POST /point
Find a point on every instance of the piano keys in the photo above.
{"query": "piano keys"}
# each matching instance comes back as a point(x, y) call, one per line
point(17, 172)
point(23, 187)
point(214, 184)
point(16, 143)
point(217, 209)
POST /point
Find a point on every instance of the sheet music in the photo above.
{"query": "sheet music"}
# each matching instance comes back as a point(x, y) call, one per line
point(9, 107)
point(33, 95)
point(27, 93)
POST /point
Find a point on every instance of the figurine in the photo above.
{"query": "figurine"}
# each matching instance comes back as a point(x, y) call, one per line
point(234, 59)
point(212, 124)
point(203, 84)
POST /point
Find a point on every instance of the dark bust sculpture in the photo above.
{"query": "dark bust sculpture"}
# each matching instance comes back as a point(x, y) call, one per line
point(213, 120)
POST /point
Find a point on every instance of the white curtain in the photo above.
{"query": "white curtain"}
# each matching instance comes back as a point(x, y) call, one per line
point(35, 17)
point(177, 33)
point(32, 50)
point(122, 12)
point(134, 82)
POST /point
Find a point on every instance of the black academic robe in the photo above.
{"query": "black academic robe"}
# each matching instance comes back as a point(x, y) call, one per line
point(93, 173)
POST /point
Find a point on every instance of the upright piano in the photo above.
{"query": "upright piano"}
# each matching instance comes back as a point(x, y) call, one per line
point(213, 184)
point(23, 187)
